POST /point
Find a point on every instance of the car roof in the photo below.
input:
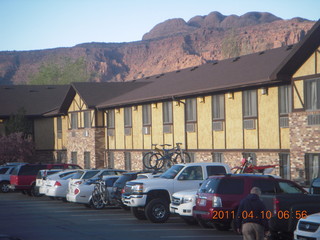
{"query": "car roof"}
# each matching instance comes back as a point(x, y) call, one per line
point(243, 175)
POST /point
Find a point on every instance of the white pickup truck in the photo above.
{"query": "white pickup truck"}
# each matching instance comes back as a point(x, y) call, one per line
point(150, 198)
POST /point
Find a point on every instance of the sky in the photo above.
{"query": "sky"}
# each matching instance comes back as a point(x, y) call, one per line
point(44, 24)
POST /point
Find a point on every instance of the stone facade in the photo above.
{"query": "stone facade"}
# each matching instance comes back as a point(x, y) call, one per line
point(304, 139)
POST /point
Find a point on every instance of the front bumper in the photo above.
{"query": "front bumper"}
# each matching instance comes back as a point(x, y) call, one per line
point(134, 200)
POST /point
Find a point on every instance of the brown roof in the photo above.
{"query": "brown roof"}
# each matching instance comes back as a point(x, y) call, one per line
point(263, 68)
point(36, 100)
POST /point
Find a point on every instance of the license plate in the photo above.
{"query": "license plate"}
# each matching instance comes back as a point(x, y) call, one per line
point(203, 202)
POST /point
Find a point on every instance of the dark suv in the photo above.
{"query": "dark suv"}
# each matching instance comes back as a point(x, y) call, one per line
point(218, 197)
point(23, 177)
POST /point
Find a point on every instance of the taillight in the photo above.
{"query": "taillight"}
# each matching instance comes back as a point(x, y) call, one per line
point(122, 190)
point(216, 201)
point(276, 206)
point(57, 184)
point(76, 191)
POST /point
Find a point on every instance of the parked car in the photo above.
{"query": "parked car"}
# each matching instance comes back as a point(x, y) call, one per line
point(23, 177)
point(56, 185)
point(84, 175)
point(118, 186)
point(182, 203)
point(150, 198)
point(83, 192)
point(308, 228)
point(40, 180)
point(218, 199)
point(5, 172)
point(315, 186)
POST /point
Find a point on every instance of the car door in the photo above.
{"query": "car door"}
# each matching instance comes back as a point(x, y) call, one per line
point(188, 178)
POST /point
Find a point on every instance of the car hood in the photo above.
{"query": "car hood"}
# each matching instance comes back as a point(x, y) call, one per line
point(186, 193)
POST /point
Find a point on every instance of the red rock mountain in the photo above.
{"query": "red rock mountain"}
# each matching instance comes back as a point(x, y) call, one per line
point(170, 45)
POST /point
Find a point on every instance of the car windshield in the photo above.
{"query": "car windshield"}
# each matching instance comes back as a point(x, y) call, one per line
point(90, 174)
point(172, 172)
point(209, 185)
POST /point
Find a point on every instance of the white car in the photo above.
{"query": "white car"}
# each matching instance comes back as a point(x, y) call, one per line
point(83, 192)
point(56, 185)
point(308, 228)
point(41, 178)
point(84, 175)
point(182, 204)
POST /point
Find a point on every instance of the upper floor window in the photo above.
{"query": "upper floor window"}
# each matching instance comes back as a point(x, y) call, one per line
point(218, 107)
point(167, 112)
point(285, 99)
point(127, 117)
point(87, 119)
point(191, 110)
point(146, 115)
point(59, 127)
point(312, 94)
point(74, 120)
point(110, 118)
point(249, 103)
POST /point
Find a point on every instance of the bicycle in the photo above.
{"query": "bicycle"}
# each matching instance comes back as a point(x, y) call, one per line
point(169, 157)
point(100, 195)
point(147, 155)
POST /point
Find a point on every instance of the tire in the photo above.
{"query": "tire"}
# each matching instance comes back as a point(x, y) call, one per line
point(146, 160)
point(4, 187)
point(204, 224)
point(184, 158)
point(222, 226)
point(139, 214)
point(34, 191)
point(96, 204)
point(189, 220)
point(157, 210)
point(99, 199)
point(156, 161)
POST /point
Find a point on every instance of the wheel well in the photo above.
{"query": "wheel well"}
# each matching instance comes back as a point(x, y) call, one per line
point(163, 194)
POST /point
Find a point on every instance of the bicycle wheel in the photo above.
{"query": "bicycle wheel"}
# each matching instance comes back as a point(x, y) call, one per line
point(184, 158)
point(156, 161)
point(146, 160)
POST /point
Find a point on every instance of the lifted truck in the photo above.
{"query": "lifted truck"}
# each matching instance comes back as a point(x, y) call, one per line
point(150, 198)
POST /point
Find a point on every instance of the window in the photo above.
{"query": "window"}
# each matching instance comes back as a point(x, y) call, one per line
point(110, 118)
point(167, 112)
point(74, 120)
point(284, 159)
point(146, 115)
point(231, 186)
point(127, 160)
point(218, 107)
point(285, 99)
point(86, 160)
point(74, 157)
point(249, 103)
point(59, 128)
point(312, 165)
point(217, 157)
point(127, 117)
point(110, 159)
point(191, 110)
point(289, 187)
point(86, 119)
point(266, 186)
point(191, 173)
point(216, 170)
point(312, 94)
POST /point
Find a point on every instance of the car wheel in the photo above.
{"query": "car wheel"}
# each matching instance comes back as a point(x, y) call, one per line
point(222, 226)
point(139, 214)
point(189, 220)
point(4, 187)
point(34, 191)
point(204, 224)
point(97, 205)
point(157, 210)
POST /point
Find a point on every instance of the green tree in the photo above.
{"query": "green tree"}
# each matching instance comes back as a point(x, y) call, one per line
point(18, 123)
point(64, 71)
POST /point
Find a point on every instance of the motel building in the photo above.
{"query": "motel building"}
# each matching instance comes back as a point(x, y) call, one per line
point(264, 105)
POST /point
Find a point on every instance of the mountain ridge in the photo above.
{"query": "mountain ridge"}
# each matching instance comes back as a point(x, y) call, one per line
point(171, 45)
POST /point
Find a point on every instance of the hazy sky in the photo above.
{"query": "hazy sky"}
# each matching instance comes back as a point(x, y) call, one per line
point(42, 24)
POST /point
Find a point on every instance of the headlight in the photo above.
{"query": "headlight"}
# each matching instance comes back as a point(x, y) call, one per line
point(137, 189)
point(186, 199)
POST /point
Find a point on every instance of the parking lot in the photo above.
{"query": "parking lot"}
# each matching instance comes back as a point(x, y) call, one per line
point(30, 218)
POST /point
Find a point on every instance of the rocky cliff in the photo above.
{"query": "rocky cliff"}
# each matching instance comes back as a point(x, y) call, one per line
point(171, 45)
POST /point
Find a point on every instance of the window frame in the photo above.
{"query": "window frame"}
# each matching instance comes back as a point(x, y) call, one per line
point(191, 110)
point(250, 103)
point(74, 120)
point(146, 115)
point(313, 92)
point(218, 105)
point(167, 113)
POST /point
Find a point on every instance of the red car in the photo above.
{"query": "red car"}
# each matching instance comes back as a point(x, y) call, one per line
point(23, 178)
